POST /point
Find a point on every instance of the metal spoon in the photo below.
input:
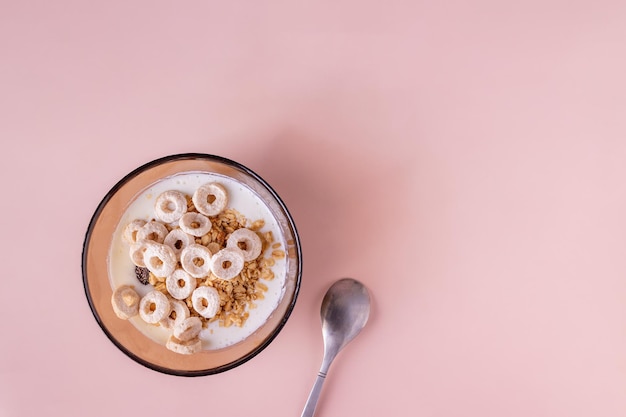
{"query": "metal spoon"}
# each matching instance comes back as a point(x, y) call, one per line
point(345, 310)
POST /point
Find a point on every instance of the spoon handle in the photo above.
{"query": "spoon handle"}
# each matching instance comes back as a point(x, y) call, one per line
point(309, 407)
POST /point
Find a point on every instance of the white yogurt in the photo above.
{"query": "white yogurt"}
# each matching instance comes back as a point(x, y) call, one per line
point(242, 199)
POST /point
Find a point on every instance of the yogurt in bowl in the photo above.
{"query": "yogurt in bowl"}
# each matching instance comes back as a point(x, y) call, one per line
point(250, 211)
point(254, 305)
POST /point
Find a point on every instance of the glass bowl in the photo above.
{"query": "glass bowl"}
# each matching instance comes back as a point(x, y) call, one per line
point(97, 276)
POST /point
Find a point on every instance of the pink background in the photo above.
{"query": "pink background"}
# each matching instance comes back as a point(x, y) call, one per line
point(466, 160)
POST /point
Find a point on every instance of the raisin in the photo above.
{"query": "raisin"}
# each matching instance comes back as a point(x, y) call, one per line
point(142, 274)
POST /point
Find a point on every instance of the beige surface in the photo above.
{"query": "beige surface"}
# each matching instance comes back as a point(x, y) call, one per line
point(465, 160)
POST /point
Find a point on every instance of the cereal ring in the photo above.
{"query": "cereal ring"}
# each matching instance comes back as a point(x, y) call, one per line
point(246, 240)
point(154, 307)
point(180, 284)
point(159, 259)
point(210, 199)
point(227, 263)
point(137, 251)
point(179, 310)
point(195, 224)
point(178, 240)
point(170, 206)
point(187, 329)
point(153, 231)
point(125, 301)
point(131, 229)
point(184, 348)
point(206, 301)
point(196, 260)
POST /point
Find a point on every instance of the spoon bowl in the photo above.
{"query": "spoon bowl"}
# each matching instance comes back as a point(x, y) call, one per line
point(344, 312)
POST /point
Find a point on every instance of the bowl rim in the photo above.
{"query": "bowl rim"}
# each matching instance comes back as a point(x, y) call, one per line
point(111, 193)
